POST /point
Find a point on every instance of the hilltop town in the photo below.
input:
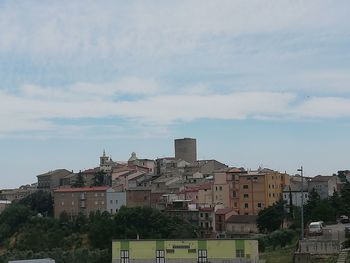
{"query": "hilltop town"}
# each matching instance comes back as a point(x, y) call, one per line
point(219, 201)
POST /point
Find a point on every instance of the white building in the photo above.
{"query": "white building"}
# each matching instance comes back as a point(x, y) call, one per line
point(115, 200)
point(324, 185)
point(292, 192)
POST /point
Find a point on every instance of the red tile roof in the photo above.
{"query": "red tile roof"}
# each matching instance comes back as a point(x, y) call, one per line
point(82, 189)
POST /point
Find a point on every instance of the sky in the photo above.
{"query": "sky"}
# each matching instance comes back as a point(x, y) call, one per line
point(257, 83)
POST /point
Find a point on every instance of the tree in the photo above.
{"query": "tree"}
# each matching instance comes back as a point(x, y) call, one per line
point(345, 197)
point(150, 223)
point(79, 182)
point(271, 218)
point(12, 218)
point(39, 202)
point(100, 178)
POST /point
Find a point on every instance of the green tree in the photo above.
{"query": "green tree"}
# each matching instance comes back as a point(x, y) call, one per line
point(12, 218)
point(100, 178)
point(271, 218)
point(40, 202)
point(345, 198)
point(147, 222)
point(79, 182)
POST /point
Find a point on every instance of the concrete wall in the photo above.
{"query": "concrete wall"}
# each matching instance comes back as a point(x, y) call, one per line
point(325, 247)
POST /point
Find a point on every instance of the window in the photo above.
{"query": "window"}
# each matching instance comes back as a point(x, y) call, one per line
point(124, 256)
point(116, 201)
point(102, 194)
point(216, 188)
point(202, 256)
point(245, 186)
point(220, 188)
point(95, 194)
point(259, 205)
point(62, 203)
point(102, 202)
point(201, 214)
point(160, 256)
point(239, 253)
point(246, 205)
point(111, 201)
point(96, 202)
point(246, 195)
point(273, 186)
point(72, 202)
point(273, 194)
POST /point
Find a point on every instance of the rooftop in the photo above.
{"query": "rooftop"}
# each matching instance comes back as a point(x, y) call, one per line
point(82, 189)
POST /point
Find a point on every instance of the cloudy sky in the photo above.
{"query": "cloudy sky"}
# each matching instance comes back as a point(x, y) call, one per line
point(256, 82)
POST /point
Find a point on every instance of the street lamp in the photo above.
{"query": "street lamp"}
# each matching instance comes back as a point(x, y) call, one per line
point(302, 203)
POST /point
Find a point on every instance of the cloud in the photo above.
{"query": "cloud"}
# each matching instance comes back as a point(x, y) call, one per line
point(107, 28)
point(324, 108)
point(35, 108)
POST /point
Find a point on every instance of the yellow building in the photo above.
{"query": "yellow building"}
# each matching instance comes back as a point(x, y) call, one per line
point(180, 251)
point(260, 189)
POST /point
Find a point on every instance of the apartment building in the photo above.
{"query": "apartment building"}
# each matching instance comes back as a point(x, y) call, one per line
point(86, 200)
point(221, 189)
point(323, 185)
point(260, 189)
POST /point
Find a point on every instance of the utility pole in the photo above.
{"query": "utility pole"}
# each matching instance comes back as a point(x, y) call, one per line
point(302, 203)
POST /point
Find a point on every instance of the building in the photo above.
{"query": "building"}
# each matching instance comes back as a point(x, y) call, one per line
point(46, 260)
point(4, 204)
point(260, 189)
point(241, 225)
point(221, 215)
point(85, 200)
point(292, 193)
point(186, 149)
point(52, 179)
point(323, 185)
point(206, 221)
point(221, 190)
point(147, 163)
point(140, 196)
point(115, 200)
point(17, 193)
point(169, 166)
point(184, 210)
point(182, 251)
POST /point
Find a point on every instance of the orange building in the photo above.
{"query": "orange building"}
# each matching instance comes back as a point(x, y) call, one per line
point(260, 189)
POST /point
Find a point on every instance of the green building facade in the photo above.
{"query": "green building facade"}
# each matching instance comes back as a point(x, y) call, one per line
point(185, 251)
